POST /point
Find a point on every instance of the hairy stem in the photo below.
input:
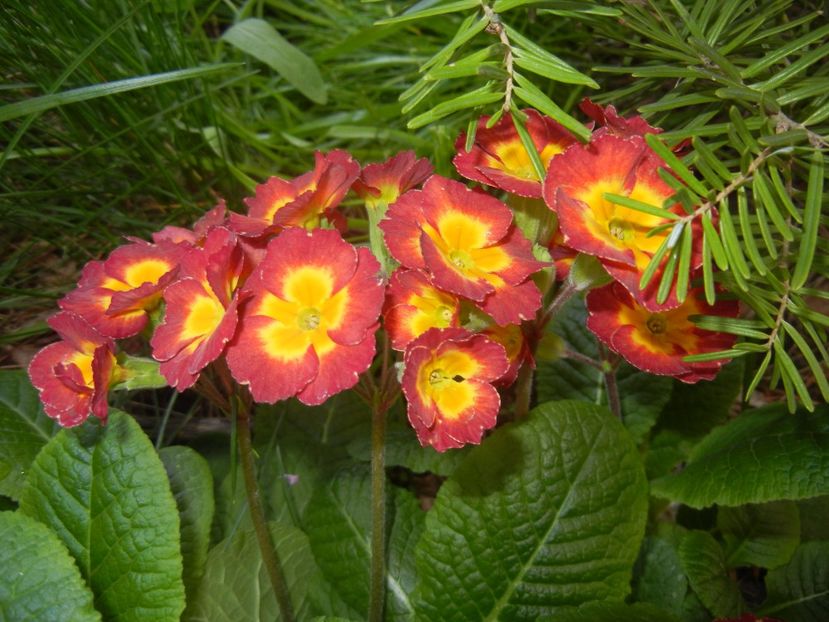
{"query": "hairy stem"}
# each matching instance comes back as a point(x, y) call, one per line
point(496, 27)
point(378, 511)
point(257, 514)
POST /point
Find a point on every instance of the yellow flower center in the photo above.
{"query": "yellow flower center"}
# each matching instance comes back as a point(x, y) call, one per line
point(309, 319)
point(443, 382)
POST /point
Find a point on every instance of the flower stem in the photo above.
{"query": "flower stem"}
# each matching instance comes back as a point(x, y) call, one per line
point(257, 514)
point(378, 511)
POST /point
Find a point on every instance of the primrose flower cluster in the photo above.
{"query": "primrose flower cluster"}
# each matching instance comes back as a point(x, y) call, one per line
point(278, 300)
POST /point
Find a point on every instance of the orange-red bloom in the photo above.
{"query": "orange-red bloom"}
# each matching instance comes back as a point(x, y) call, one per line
point(468, 244)
point(73, 375)
point(575, 187)
point(512, 338)
point(611, 122)
point(309, 328)
point(201, 309)
point(656, 342)
point(563, 256)
point(300, 202)
point(382, 184)
point(448, 386)
point(498, 157)
point(216, 217)
point(414, 305)
point(115, 295)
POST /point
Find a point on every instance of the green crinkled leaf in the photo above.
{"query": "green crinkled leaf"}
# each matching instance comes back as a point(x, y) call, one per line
point(338, 523)
point(300, 447)
point(799, 591)
point(259, 39)
point(104, 492)
point(235, 585)
point(642, 395)
point(40, 581)
point(545, 514)
point(762, 455)
point(661, 581)
point(403, 448)
point(696, 408)
point(813, 518)
point(192, 485)
point(703, 560)
point(24, 430)
point(760, 535)
point(612, 612)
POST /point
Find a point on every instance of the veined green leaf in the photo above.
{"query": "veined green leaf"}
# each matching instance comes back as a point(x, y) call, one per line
point(763, 535)
point(811, 222)
point(261, 40)
point(799, 591)
point(40, 581)
point(478, 97)
point(46, 102)
point(529, 93)
point(24, 430)
point(441, 9)
point(704, 562)
point(559, 527)
point(762, 455)
point(104, 492)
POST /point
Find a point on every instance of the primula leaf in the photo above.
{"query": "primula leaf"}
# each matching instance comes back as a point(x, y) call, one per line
point(762, 455)
point(545, 514)
point(192, 486)
point(259, 39)
point(338, 524)
point(799, 591)
point(696, 408)
point(104, 492)
point(24, 430)
point(642, 395)
point(760, 535)
point(612, 612)
point(661, 580)
point(40, 581)
point(704, 563)
point(235, 585)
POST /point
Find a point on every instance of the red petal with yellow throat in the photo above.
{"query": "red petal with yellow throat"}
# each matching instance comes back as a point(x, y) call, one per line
point(498, 157)
point(383, 183)
point(656, 342)
point(575, 187)
point(414, 305)
point(315, 298)
point(73, 375)
point(448, 385)
point(115, 295)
